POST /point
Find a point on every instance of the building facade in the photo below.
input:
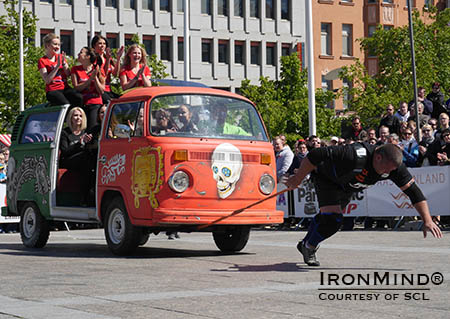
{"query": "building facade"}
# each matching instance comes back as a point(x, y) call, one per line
point(230, 40)
point(337, 24)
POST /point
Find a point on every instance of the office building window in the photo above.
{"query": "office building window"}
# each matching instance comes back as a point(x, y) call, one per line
point(285, 49)
point(206, 50)
point(165, 49)
point(164, 5)
point(239, 52)
point(387, 27)
point(223, 51)
point(180, 49)
point(371, 31)
point(44, 32)
point(147, 41)
point(128, 39)
point(206, 7)
point(428, 3)
point(254, 53)
point(65, 1)
point(347, 40)
point(239, 8)
point(222, 7)
point(111, 3)
point(67, 42)
point(270, 54)
point(285, 10)
point(147, 4)
point(113, 40)
point(327, 85)
point(387, 1)
point(254, 8)
point(180, 6)
point(325, 38)
point(88, 2)
point(270, 12)
point(347, 85)
point(129, 4)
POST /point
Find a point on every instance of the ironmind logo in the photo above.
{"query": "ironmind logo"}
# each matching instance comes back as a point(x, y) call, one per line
point(401, 200)
point(377, 286)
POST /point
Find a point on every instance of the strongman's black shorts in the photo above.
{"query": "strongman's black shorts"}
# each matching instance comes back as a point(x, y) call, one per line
point(330, 193)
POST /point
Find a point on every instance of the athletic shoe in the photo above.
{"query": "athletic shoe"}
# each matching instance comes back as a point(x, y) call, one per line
point(309, 255)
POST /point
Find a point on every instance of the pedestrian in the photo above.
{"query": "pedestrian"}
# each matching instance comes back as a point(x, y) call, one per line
point(340, 171)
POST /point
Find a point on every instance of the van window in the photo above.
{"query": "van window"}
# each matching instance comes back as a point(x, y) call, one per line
point(40, 128)
point(126, 120)
point(195, 115)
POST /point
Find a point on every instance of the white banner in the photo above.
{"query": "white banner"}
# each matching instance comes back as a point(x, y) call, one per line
point(8, 219)
point(383, 198)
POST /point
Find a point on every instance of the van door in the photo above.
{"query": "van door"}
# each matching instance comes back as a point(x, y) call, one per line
point(123, 139)
point(31, 166)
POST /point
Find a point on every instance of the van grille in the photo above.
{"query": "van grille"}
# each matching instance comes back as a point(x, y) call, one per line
point(206, 156)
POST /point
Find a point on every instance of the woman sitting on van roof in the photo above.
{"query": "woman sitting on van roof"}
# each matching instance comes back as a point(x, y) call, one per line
point(100, 44)
point(54, 70)
point(135, 72)
point(89, 79)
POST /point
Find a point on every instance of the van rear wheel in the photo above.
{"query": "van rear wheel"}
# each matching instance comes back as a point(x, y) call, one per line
point(122, 237)
point(233, 239)
point(34, 229)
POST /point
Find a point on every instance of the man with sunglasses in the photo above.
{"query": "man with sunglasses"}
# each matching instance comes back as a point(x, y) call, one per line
point(340, 171)
point(355, 132)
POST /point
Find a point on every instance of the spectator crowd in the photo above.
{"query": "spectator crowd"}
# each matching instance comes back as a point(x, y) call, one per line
point(426, 145)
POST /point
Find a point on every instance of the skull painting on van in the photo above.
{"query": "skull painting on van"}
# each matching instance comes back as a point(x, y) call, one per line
point(226, 166)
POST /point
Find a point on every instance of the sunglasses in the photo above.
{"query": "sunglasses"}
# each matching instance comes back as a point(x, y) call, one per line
point(406, 133)
point(446, 135)
point(426, 131)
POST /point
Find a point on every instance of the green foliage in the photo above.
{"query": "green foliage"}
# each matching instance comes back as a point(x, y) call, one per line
point(283, 104)
point(9, 64)
point(394, 82)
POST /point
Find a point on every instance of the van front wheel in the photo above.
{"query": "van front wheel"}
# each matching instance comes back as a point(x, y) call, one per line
point(233, 239)
point(34, 229)
point(122, 237)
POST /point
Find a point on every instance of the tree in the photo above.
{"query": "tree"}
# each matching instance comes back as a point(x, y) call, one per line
point(9, 64)
point(393, 83)
point(283, 103)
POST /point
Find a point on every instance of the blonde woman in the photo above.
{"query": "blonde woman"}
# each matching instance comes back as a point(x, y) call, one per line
point(74, 155)
point(134, 71)
point(54, 71)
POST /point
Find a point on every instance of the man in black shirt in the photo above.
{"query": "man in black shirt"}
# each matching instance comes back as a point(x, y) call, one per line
point(340, 171)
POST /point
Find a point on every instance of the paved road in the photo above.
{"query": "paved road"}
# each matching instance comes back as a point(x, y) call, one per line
point(75, 276)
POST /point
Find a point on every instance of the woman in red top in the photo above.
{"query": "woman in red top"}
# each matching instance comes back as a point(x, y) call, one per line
point(54, 70)
point(88, 78)
point(135, 71)
point(100, 45)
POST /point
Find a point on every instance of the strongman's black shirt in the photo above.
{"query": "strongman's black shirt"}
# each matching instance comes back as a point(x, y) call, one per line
point(337, 163)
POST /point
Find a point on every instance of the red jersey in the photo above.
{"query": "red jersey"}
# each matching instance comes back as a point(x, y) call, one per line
point(90, 94)
point(131, 75)
point(59, 82)
point(107, 74)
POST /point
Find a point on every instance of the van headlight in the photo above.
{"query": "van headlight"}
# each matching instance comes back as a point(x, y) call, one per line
point(179, 181)
point(266, 184)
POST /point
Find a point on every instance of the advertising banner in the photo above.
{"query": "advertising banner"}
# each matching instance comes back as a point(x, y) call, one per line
point(8, 219)
point(381, 199)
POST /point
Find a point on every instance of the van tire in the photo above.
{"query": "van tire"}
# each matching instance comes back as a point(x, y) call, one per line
point(233, 239)
point(122, 237)
point(34, 228)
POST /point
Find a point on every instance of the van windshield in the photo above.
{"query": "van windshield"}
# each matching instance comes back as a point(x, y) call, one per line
point(195, 115)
